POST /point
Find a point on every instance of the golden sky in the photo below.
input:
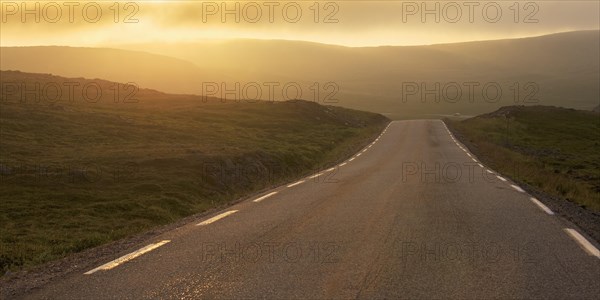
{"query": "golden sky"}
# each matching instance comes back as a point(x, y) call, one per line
point(350, 23)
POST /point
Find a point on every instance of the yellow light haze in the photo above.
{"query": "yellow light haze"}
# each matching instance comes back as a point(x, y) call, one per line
point(349, 23)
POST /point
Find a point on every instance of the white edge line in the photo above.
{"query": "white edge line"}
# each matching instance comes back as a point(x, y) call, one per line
point(217, 217)
point(583, 242)
point(316, 175)
point(264, 197)
point(127, 257)
point(289, 185)
point(501, 178)
point(518, 188)
point(295, 183)
point(542, 206)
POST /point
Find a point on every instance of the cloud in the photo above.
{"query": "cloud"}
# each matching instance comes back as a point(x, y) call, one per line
point(352, 23)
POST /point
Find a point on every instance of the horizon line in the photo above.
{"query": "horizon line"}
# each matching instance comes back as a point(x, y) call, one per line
point(109, 45)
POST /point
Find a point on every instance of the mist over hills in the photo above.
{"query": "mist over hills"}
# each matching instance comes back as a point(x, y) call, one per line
point(159, 72)
point(400, 81)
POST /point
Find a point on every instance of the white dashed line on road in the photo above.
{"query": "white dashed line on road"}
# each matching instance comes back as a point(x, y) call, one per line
point(218, 217)
point(268, 195)
point(296, 183)
point(126, 258)
point(517, 188)
point(542, 206)
point(583, 242)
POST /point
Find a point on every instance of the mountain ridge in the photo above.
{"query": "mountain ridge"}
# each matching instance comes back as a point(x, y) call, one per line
point(559, 69)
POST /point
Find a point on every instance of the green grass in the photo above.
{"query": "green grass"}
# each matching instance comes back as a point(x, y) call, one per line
point(555, 150)
point(148, 163)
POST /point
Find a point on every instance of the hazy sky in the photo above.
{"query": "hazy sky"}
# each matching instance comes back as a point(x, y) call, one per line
point(351, 23)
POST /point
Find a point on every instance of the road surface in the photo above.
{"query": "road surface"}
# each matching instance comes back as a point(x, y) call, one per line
point(413, 216)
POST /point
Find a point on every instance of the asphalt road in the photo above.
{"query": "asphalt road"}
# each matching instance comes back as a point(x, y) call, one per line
point(414, 216)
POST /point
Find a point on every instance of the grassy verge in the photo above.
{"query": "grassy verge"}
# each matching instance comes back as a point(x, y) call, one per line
point(75, 174)
point(551, 149)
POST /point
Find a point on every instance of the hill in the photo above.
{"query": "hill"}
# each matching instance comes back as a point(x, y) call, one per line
point(145, 69)
point(468, 78)
point(76, 174)
point(559, 69)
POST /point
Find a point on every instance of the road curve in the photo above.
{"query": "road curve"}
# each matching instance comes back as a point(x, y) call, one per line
point(413, 216)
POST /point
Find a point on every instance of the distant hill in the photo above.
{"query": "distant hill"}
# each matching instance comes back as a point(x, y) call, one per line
point(559, 69)
point(23, 87)
point(145, 69)
point(564, 70)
